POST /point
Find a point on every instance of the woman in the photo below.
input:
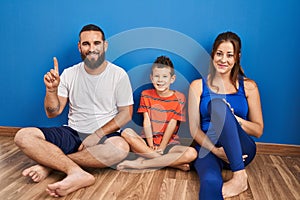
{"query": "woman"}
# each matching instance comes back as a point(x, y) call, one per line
point(229, 114)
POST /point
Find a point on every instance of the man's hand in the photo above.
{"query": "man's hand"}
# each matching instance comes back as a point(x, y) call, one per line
point(89, 141)
point(52, 79)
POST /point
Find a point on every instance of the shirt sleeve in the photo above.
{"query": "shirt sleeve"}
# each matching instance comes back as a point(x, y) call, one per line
point(124, 91)
point(62, 87)
point(142, 107)
point(180, 113)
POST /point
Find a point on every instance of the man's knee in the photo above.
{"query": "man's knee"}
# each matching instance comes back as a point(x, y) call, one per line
point(120, 144)
point(25, 136)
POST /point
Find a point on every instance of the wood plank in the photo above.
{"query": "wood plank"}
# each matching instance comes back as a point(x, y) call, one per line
point(278, 149)
point(262, 148)
point(152, 192)
point(135, 185)
point(288, 177)
point(8, 131)
point(269, 177)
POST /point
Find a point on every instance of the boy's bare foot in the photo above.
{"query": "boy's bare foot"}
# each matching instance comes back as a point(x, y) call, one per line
point(183, 167)
point(236, 185)
point(71, 183)
point(131, 164)
point(37, 172)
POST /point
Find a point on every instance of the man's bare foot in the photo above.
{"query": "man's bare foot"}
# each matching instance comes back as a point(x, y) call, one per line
point(37, 172)
point(183, 167)
point(236, 185)
point(71, 183)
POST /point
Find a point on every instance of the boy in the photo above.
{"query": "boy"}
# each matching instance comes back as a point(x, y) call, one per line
point(163, 110)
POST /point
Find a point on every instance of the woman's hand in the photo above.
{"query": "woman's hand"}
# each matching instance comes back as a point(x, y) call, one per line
point(220, 153)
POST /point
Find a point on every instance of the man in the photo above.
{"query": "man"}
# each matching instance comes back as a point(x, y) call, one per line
point(100, 103)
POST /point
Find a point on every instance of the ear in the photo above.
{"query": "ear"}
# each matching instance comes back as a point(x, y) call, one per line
point(151, 77)
point(173, 78)
point(79, 46)
point(105, 45)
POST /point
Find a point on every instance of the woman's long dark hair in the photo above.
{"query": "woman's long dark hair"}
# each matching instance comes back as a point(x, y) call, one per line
point(237, 70)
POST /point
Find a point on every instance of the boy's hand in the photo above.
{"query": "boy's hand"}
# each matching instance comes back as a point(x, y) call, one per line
point(52, 79)
point(160, 151)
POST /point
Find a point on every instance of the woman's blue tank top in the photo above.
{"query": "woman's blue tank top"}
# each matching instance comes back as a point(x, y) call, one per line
point(237, 101)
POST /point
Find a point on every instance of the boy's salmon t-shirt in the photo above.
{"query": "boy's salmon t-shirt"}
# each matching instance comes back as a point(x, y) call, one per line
point(161, 110)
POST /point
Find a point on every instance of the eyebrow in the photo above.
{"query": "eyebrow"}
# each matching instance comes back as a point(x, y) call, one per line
point(88, 42)
point(226, 52)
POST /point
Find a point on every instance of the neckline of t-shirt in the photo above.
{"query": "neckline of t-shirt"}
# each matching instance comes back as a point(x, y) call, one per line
point(96, 75)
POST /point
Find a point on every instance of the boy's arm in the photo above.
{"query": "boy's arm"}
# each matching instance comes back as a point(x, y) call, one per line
point(168, 133)
point(148, 129)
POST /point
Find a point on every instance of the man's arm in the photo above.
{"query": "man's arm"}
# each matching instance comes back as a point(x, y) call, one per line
point(53, 103)
point(124, 116)
point(121, 119)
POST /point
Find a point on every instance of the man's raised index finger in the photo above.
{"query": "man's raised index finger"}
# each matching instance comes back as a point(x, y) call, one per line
point(55, 64)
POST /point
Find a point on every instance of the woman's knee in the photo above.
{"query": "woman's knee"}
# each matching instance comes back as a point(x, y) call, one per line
point(25, 136)
point(219, 107)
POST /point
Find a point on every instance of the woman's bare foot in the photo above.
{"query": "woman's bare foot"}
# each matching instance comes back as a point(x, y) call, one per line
point(71, 183)
point(183, 167)
point(236, 185)
point(37, 172)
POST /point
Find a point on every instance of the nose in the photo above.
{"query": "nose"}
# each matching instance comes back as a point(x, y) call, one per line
point(160, 78)
point(223, 58)
point(92, 48)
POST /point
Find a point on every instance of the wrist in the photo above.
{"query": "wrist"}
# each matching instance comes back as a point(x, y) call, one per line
point(99, 133)
point(51, 90)
point(214, 150)
point(240, 122)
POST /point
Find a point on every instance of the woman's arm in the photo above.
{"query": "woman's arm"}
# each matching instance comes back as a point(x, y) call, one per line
point(255, 124)
point(194, 116)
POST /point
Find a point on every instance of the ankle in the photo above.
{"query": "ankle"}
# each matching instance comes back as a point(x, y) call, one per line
point(241, 174)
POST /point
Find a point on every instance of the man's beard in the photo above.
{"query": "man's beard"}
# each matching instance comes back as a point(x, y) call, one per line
point(93, 64)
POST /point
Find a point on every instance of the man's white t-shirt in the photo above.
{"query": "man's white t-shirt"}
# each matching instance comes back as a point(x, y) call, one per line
point(94, 99)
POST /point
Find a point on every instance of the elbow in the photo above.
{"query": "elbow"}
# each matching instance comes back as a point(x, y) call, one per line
point(193, 131)
point(129, 114)
point(51, 115)
point(260, 131)
point(129, 118)
point(125, 115)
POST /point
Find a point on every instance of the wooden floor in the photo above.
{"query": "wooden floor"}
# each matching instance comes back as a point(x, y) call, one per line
point(271, 177)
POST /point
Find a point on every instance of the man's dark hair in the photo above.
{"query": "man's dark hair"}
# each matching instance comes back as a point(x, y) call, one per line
point(92, 27)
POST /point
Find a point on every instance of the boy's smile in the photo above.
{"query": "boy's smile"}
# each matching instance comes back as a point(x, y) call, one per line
point(161, 79)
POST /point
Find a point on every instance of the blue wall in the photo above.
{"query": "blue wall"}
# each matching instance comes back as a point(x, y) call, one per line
point(32, 32)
